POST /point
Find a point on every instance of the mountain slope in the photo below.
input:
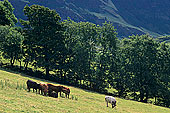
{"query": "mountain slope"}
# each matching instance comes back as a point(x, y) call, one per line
point(128, 17)
point(13, 98)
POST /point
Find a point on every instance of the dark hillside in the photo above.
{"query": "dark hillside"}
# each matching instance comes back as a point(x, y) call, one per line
point(153, 15)
point(128, 16)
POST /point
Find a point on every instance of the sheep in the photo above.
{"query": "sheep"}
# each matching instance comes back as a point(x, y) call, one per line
point(111, 100)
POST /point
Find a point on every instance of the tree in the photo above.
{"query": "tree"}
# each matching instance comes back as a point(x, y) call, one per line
point(106, 56)
point(163, 69)
point(81, 41)
point(44, 37)
point(121, 81)
point(11, 43)
point(141, 58)
point(7, 16)
point(93, 52)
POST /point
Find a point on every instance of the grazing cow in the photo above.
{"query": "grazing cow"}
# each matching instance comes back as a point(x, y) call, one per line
point(111, 100)
point(53, 94)
point(43, 88)
point(32, 84)
point(52, 88)
point(66, 91)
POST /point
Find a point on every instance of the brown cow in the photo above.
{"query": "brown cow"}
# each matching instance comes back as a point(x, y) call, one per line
point(66, 91)
point(32, 84)
point(52, 88)
point(53, 94)
point(43, 88)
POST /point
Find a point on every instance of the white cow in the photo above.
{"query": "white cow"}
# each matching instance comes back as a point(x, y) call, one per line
point(111, 100)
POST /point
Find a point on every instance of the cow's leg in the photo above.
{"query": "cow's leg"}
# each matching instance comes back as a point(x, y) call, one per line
point(41, 92)
point(115, 104)
point(107, 104)
point(57, 94)
point(49, 92)
point(45, 92)
point(60, 93)
point(28, 88)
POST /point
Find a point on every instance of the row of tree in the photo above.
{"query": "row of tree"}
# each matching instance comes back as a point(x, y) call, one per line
point(86, 55)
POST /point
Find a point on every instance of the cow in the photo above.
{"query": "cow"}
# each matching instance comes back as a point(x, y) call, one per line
point(111, 100)
point(53, 94)
point(55, 88)
point(43, 87)
point(32, 84)
point(65, 90)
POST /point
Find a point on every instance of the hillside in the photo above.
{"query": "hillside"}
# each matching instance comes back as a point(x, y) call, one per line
point(14, 98)
point(128, 17)
point(164, 39)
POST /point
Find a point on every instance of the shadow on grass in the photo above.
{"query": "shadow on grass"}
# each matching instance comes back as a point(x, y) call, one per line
point(38, 75)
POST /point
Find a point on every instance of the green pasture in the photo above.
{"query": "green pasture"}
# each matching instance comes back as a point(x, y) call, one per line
point(14, 98)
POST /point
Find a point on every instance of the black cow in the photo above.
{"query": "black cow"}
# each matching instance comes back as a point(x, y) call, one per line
point(32, 84)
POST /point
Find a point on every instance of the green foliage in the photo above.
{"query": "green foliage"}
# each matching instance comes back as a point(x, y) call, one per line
point(142, 54)
point(143, 69)
point(11, 43)
point(92, 49)
point(106, 55)
point(7, 16)
point(164, 39)
point(44, 40)
point(81, 41)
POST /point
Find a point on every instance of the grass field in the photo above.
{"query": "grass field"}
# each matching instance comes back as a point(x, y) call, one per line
point(15, 99)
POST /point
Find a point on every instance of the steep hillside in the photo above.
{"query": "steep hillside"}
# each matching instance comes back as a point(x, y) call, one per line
point(129, 17)
point(15, 99)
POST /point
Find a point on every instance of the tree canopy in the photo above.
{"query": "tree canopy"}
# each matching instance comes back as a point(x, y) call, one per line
point(7, 16)
point(44, 36)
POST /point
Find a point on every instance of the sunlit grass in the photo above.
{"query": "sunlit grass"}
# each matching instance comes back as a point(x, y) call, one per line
point(15, 99)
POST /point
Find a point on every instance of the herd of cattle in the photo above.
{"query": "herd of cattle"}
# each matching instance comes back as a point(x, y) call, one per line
point(53, 90)
point(50, 89)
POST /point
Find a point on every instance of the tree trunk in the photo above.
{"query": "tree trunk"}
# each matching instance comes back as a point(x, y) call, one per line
point(20, 64)
point(61, 75)
point(141, 96)
point(26, 65)
point(64, 78)
point(80, 83)
point(146, 99)
point(155, 100)
point(12, 62)
point(47, 72)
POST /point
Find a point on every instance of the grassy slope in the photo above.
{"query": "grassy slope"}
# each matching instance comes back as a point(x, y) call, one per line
point(19, 100)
